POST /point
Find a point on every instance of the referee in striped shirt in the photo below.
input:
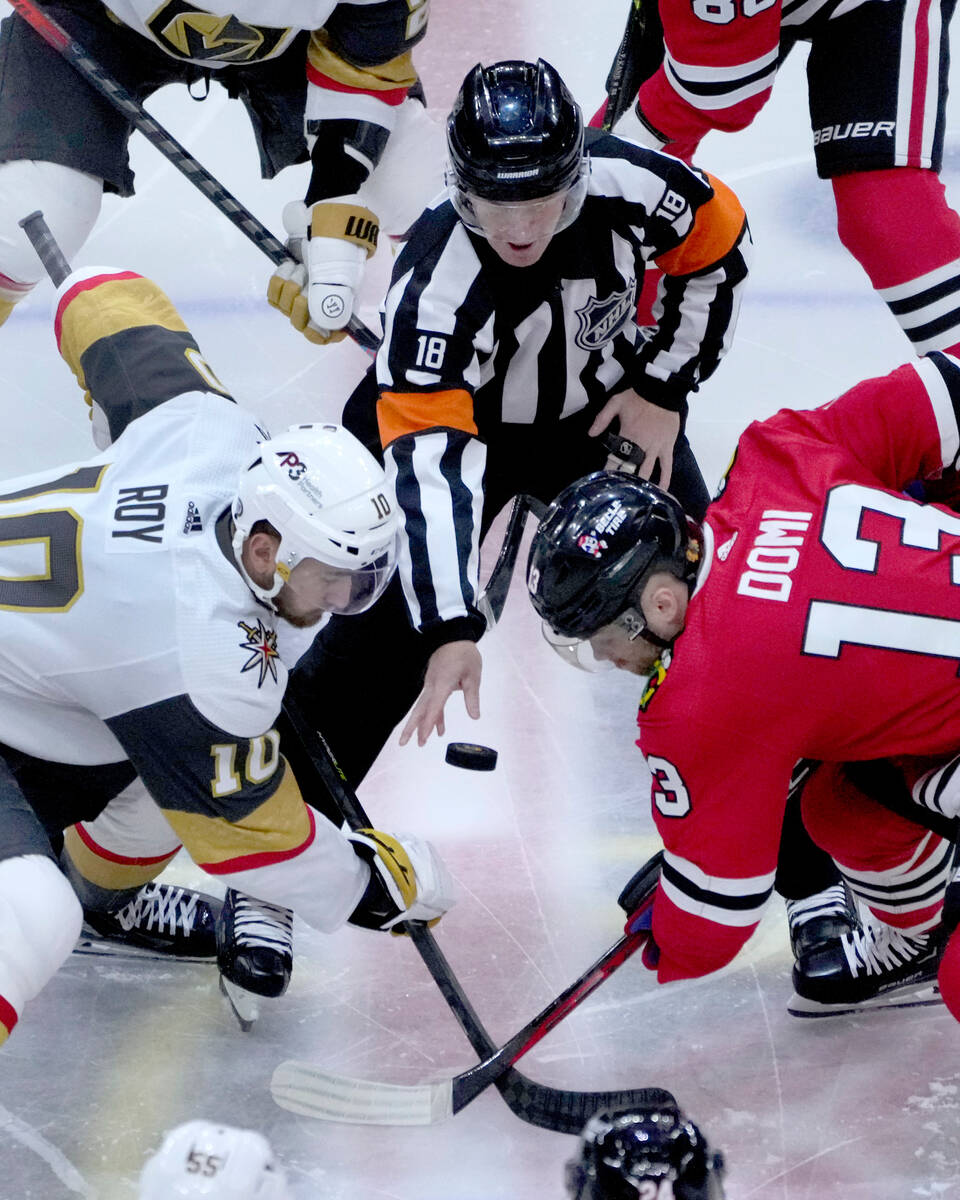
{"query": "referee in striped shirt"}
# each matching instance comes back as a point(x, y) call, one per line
point(511, 345)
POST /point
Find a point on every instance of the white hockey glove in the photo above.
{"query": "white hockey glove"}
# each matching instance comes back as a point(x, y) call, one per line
point(408, 881)
point(329, 245)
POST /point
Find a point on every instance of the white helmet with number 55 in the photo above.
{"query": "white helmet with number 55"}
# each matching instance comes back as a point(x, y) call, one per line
point(217, 1162)
point(327, 497)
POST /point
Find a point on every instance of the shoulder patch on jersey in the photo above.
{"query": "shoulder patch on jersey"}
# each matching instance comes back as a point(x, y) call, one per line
point(261, 643)
point(602, 319)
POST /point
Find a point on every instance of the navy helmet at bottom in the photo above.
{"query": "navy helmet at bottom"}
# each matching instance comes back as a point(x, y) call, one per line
point(600, 538)
point(644, 1154)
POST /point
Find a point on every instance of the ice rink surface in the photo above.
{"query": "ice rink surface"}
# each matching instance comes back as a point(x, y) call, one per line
point(112, 1054)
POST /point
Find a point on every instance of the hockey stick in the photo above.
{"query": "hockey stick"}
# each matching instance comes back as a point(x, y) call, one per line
point(494, 595)
point(56, 36)
point(301, 1088)
point(639, 54)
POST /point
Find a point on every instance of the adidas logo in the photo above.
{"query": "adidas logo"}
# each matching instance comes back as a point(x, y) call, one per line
point(192, 522)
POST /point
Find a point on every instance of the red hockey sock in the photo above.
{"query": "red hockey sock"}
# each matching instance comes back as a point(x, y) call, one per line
point(899, 227)
point(896, 867)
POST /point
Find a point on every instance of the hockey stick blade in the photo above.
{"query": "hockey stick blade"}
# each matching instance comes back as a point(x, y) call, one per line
point(538, 1104)
point(309, 1090)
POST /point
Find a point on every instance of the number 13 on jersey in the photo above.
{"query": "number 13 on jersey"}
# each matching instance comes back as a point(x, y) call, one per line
point(831, 625)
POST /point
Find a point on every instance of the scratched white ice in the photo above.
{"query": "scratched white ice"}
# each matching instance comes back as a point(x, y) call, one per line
point(111, 1055)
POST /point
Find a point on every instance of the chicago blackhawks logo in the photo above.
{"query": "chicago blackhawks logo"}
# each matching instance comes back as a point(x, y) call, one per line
point(262, 645)
point(601, 319)
point(186, 31)
point(657, 676)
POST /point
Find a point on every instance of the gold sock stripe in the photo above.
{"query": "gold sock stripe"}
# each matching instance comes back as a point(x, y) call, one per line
point(274, 831)
point(99, 309)
point(398, 72)
point(114, 872)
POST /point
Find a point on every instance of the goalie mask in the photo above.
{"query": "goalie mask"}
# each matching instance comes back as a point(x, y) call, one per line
point(644, 1154)
point(215, 1162)
point(515, 141)
point(326, 496)
point(599, 540)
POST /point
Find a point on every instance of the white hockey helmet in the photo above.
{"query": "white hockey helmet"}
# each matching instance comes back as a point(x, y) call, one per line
point(216, 1162)
point(328, 499)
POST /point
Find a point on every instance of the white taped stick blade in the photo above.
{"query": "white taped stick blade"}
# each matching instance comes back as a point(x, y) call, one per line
point(303, 1088)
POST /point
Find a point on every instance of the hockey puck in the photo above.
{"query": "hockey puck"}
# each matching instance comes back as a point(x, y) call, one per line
point(471, 756)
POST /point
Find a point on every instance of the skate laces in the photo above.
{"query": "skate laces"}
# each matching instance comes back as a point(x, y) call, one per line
point(257, 922)
point(161, 907)
point(830, 902)
point(877, 949)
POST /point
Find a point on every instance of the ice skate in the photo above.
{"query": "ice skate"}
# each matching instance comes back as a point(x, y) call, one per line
point(823, 917)
point(873, 967)
point(161, 921)
point(254, 953)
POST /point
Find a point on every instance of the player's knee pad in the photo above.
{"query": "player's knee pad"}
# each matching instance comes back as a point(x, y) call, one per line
point(70, 203)
point(127, 845)
point(40, 920)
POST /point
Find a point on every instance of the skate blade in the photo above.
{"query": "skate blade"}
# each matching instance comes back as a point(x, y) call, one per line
point(921, 996)
point(244, 1005)
point(98, 947)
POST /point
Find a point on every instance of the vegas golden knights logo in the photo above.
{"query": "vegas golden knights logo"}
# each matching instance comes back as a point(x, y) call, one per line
point(190, 32)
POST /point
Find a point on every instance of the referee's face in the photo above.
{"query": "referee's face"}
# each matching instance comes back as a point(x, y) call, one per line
point(519, 231)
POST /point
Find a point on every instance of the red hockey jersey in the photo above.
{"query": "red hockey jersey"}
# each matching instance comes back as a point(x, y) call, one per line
point(721, 58)
point(825, 624)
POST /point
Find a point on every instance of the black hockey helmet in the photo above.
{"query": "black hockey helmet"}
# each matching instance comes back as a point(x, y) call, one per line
point(624, 1149)
point(597, 541)
point(515, 133)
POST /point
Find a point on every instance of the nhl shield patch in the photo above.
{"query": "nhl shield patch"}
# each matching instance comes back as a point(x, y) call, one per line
point(600, 319)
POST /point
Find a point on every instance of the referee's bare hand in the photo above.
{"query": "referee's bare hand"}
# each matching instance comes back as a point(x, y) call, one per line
point(655, 429)
point(454, 667)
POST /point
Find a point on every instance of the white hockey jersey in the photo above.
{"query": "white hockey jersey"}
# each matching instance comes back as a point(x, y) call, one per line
point(127, 629)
